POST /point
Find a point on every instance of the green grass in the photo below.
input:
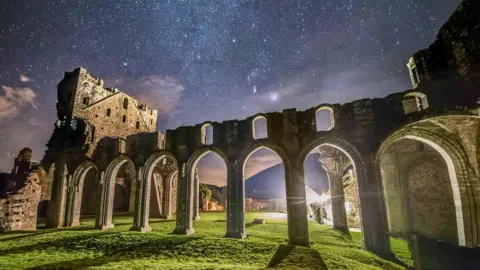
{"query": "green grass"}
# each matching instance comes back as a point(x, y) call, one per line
point(82, 247)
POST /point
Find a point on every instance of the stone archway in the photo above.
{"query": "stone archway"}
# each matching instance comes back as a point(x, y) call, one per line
point(372, 215)
point(456, 162)
point(107, 181)
point(142, 205)
point(186, 189)
point(74, 203)
point(297, 228)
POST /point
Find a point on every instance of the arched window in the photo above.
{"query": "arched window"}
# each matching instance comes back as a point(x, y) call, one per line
point(137, 125)
point(109, 112)
point(86, 100)
point(259, 128)
point(324, 119)
point(414, 102)
point(125, 103)
point(207, 134)
point(412, 68)
point(124, 118)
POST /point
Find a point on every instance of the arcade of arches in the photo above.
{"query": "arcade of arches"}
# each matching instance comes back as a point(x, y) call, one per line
point(413, 173)
point(425, 184)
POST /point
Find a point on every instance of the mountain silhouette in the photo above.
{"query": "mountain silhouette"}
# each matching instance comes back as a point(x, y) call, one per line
point(270, 183)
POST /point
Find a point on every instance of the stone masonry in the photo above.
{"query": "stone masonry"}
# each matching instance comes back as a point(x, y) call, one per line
point(103, 129)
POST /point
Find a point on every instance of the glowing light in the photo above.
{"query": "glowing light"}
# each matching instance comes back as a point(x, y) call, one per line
point(254, 89)
point(274, 97)
point(276, 215)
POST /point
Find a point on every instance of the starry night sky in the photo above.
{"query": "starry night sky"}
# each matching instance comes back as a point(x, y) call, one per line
point(205, 60)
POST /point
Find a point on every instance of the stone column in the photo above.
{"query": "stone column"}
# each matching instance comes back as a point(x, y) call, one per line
point(56, 208)
point(236, 203)
point(168, 175)
point(142, 202)
point(374, 219)
point(104, 214)
point(167, 196)
point(196, 195)
point(70, 205)
point(296, 205)
point(184, 222)
point(333, 162)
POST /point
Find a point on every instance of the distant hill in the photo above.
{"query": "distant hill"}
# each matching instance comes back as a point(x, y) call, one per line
point(270, 183)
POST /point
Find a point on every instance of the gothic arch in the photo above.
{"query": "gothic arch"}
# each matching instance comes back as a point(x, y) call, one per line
point(369, 207)
point(107, 179)
point(142, 207)
point(457, 164)
point(188, 170)
point(236, 188)
point(74, 202)
point(256, 145)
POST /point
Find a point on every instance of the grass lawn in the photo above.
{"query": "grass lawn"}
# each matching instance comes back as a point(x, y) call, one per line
point(83, 246)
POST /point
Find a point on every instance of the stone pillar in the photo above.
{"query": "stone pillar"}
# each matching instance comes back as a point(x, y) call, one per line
point(296, 205)
point(184, 222)
point(142, 202)
point(167, 196)
point(169, 172)
point(104, 214)
point(374, 219)
point(196, 195)
point(333, 162)
point(70, 205)
point(236, 203)
point(56, 208)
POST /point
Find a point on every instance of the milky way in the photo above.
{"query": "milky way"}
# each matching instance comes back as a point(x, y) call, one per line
point(205, 60)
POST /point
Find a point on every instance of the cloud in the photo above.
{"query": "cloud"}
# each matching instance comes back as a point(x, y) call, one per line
point(162, 93)
point(25, 78)
point(23, 125)
point(14, 99)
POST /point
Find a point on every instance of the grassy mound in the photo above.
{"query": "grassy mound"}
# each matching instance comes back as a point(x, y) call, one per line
point(85, 247)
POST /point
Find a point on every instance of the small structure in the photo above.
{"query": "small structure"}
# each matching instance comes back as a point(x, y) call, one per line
point(259, 221)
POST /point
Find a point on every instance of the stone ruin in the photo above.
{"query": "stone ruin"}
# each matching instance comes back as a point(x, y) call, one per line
point(20, 195)
point(428, 133)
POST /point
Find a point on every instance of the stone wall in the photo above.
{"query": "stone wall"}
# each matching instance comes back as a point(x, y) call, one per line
point(418, 193)
point(456, 52)
point(18, 211)
point(111, 112)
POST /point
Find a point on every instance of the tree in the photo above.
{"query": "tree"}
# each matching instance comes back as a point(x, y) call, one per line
point(205, 194)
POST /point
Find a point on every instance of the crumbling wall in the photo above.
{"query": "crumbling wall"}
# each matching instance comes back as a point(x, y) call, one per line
point(418, 192)
point(18, 211)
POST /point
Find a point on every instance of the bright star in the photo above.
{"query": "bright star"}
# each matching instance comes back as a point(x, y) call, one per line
point(273, 97)
point(125, 64)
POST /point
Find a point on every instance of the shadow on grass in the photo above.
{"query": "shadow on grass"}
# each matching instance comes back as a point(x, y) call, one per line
point(249, 225)
point(288, 256)
point(43, 231)
point(110, 247)
point(161, 221)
